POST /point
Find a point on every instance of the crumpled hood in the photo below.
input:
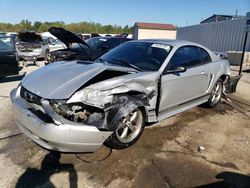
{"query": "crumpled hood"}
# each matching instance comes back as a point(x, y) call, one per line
point(61, 79)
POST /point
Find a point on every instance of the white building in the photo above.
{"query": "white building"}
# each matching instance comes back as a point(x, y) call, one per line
point(143, 30)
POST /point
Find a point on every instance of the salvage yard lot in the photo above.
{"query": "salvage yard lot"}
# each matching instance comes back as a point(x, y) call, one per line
point(166, 155)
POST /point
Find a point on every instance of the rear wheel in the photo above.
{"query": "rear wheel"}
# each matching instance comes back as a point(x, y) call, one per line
point(215, 95)
point(128, 131)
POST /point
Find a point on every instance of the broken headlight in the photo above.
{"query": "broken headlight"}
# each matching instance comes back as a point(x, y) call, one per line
point(98, 98)
point(73, 112)
point(77, 112)
point(60, 107)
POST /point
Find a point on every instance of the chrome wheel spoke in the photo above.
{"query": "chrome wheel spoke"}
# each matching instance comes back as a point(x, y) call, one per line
point(124, 132)
point(133, 117)
point(213, 98)
point(216, 93)
point(132, 127)
point(217, 88)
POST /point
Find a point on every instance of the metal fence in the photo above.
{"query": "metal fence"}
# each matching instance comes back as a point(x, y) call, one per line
point(218, 36)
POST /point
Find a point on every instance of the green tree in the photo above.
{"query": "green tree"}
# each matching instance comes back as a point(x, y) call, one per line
point(80, 27)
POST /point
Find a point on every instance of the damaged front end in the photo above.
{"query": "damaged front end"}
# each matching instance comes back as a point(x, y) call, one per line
point(98, 108)
point(89, 116)
point(52, 130)
point(105, 99)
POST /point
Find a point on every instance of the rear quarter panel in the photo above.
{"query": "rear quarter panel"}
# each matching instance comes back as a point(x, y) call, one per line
point(218, 69)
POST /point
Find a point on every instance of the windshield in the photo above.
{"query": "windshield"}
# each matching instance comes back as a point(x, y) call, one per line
point(95, 42)
point(7, 44)
point(143, 55)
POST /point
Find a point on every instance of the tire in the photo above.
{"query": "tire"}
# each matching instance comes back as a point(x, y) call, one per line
point(128, 131)
point(215, 95)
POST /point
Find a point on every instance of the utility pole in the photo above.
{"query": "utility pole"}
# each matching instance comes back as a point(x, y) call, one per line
point(247, 29)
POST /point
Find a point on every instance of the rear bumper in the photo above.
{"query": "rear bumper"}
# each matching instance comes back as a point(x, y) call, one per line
point(63, 137)
point(231, 84)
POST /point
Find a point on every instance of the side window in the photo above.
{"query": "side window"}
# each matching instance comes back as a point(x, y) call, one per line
point(206, 57)
point(187, 56)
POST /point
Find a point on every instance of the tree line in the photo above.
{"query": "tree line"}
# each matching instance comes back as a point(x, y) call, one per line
point(80, 27)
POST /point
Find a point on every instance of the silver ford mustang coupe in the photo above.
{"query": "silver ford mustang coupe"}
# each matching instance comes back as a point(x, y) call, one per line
point(76, 106)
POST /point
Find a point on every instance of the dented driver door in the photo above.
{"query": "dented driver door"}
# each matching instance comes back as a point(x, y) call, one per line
point(184, 86)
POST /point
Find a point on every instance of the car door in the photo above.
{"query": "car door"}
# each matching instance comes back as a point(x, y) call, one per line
point(181, 87)
point(8, 56)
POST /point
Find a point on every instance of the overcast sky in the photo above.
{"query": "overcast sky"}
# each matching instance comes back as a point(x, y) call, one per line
point(177, 12)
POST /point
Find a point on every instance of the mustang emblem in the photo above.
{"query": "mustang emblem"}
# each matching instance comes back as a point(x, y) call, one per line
point(29, 96)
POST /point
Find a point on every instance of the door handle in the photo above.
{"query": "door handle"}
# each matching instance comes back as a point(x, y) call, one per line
point(203, 72)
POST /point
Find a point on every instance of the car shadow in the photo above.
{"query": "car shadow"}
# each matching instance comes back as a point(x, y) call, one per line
point(12, 78)
point(230, 180)
point(33, 177)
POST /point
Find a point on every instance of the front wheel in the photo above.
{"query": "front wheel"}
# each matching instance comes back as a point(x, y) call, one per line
point(215, 95)
point(128, 131)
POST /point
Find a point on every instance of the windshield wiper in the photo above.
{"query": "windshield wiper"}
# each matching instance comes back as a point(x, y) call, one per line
point(128, 64)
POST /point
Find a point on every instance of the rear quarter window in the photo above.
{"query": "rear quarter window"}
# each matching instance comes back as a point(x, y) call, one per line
point(205, 55)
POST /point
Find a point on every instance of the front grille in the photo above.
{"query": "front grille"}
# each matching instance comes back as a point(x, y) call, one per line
point(30, 97)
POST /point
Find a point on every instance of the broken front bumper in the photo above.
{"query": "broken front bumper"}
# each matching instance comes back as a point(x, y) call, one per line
point(63, 137)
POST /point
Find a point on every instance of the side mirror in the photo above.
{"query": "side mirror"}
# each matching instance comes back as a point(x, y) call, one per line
point(176, 70)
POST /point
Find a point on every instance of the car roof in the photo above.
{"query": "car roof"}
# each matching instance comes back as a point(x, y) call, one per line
point(109, 38)
point(177, 43)
point(170, 42)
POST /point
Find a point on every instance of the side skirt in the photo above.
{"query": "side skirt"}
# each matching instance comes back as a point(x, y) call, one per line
point(182, 107)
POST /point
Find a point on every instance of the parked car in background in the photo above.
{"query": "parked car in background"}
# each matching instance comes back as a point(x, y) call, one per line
point(8, 56)
point(77, 48)
point(112, 99)
point(101, 45)
point(31, 46)
point(54, 44)
point(2, 34)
